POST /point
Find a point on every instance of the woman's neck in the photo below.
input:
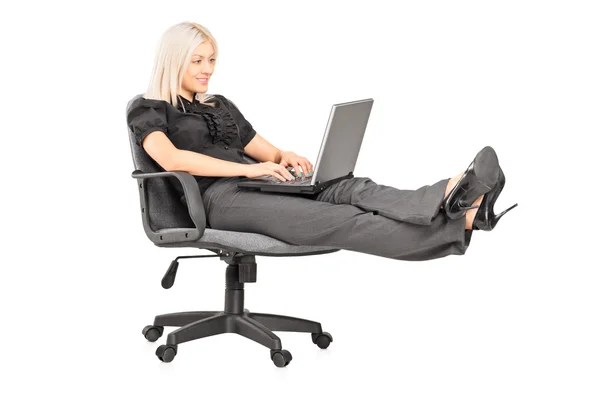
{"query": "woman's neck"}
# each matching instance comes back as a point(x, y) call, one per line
point(188, 96)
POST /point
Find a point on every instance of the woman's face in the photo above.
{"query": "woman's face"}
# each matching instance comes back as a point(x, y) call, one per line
point(199, 71)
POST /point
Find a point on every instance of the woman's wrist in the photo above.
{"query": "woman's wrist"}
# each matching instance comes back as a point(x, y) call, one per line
point(278, 156)
point(244, 169)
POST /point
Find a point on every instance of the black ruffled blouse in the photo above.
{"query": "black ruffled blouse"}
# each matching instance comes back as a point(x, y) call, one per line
point(220, 132)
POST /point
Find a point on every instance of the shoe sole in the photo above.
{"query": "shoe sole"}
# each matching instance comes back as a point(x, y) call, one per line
point(487, 167)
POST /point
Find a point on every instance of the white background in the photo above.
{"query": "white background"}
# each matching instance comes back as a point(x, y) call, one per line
point(516, 317)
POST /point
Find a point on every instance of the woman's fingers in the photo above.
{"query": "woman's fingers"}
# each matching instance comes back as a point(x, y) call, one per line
point(287, 174)
point(281, 172)
point(306, 169)
point(277, 174)
point(296, 168)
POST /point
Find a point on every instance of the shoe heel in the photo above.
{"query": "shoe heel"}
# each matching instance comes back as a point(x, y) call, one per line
point(505, 211)
point(496, 218)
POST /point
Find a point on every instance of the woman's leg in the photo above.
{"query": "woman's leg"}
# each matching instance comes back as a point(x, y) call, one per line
point(299, 220)
point(418, 206)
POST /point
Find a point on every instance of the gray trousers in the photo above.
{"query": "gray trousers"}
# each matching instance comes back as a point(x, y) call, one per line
point(354, 214)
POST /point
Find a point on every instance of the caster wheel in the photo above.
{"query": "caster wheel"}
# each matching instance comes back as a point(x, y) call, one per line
point(281, 358)
point(166, 352)
point(152, 333)
point(323, 340)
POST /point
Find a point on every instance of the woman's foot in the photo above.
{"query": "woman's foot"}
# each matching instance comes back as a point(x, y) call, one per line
point(479, 178)
point(451, 183)
point(470, 215)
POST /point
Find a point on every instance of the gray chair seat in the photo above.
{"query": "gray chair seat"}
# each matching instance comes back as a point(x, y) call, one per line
point(249, 243)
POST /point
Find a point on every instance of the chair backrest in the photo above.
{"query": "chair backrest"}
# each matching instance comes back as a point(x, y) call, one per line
point(165, 208)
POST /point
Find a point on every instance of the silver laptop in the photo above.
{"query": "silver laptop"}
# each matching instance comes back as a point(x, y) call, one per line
point(337, 157)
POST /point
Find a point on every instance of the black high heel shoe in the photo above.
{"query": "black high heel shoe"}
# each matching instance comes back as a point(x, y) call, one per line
point(485, 219)
point(479, 178)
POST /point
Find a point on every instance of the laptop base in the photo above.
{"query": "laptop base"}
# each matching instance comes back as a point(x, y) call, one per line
point(257, 184)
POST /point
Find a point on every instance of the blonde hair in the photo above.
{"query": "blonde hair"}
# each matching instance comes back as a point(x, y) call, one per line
point(173, 56)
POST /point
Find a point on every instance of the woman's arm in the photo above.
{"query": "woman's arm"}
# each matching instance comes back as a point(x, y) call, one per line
point(162, 150)
point(260, 149)
point(203, 165)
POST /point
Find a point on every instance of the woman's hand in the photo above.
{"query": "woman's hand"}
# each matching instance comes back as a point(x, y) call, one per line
point(268, 168)
point(289, 158)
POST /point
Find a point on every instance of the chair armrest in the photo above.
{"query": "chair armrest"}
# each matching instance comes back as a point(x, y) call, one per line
point(194, 204)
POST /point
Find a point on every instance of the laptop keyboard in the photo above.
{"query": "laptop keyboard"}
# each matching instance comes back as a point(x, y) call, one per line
point(297, 181)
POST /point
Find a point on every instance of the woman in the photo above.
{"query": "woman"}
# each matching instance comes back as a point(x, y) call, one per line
point(182, 130)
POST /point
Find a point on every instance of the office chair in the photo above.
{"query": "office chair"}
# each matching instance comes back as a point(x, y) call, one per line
point(168, 222)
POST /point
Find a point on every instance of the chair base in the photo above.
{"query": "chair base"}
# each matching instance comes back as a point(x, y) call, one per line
point(254, 326)
point(234, 319)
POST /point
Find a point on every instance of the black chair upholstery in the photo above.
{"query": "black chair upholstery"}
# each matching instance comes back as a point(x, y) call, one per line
point(170, 222)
